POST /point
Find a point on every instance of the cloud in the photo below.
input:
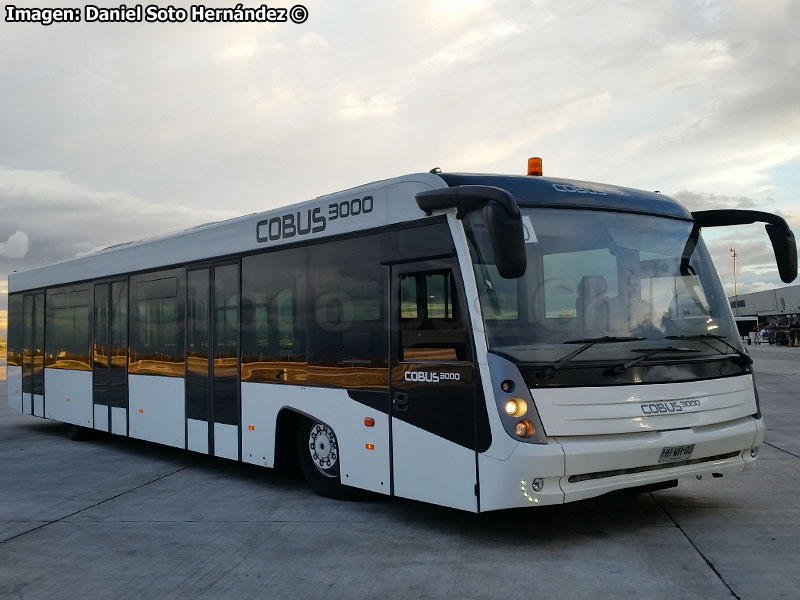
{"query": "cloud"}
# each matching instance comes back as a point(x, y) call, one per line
point(16, 246)
point(355, 107)
point(755, 260)
point(54, 218)
point(240, 112)
point(313, 41)
point(706, 201)
point(113, 132)
point(749, 288)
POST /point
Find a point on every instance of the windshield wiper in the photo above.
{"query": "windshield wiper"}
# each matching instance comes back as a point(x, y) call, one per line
point(704, 337)
point(550, 371)
point(488, 287)
point(648, 352)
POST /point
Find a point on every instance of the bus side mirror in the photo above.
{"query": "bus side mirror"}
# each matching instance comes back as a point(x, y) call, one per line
point(508, 240)
point(782, 238)
point(500, 214)
point(785, 249)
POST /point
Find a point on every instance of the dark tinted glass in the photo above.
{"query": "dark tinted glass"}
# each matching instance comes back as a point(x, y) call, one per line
point(348, 325)
point(79, 298)
point(273, 316)
point(197, 319)
point(119, 344)
point(14, 356)
point(226, 345)
point(431, 239)
point(100, 354)
point(38, 344)
point(56, 300)
point(27, 345)
point(68, 341)
point(156, 324)
point(430, 324)
point(319, 314)
point(154, 289)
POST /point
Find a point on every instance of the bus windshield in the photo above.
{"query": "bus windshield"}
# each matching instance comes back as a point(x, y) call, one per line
point(595, 274)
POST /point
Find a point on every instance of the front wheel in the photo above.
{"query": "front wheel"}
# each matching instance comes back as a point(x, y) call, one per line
point(318, 455)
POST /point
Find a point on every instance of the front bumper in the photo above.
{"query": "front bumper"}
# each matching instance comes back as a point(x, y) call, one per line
point(603, 463)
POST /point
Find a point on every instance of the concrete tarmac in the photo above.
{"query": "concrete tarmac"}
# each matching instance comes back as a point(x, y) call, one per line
point(120, 518)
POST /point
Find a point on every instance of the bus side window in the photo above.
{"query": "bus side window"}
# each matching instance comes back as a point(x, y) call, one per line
point(347, 316)
point(430, 323)
point(156, 324)
point(273, 320)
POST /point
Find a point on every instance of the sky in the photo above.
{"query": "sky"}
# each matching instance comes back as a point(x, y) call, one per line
point(113, 132)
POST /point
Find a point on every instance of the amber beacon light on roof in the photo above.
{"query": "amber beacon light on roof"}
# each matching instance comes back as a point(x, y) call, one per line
point(535, 166)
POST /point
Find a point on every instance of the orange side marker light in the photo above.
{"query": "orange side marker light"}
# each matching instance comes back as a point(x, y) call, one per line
point(67, 399)
point(369, 422)
point(251, 427)
point(141, 410)
point(370, 446)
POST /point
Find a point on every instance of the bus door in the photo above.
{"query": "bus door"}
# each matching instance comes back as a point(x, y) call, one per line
point(110, 357)
point(198, 368)
point(432, 386)
point(225, 361)
point(33, 354)
point(212, 360)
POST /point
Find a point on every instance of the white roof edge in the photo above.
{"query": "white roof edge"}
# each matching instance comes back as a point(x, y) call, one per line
point(232, 236)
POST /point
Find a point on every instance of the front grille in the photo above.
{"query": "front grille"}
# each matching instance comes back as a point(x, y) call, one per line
point(680, 463)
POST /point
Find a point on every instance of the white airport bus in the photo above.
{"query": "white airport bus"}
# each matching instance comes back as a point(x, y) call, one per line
point(474, 341)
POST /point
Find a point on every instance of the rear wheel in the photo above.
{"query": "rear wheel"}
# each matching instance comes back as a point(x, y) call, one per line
point(78, 433)
point(318, 455)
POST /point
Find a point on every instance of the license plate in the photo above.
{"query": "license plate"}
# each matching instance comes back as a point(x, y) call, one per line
point(676, 453)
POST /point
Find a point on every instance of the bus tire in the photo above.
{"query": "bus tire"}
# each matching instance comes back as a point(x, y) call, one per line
point(318, 455)
point(77, 433)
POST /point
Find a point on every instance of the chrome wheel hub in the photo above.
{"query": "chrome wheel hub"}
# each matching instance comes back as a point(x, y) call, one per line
point(324, 449)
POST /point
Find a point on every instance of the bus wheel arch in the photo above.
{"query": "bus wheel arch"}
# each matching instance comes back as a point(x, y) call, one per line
point(285, 442)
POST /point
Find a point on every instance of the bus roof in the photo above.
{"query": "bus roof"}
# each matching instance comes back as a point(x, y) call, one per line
point(365, 207)
point(573, 193)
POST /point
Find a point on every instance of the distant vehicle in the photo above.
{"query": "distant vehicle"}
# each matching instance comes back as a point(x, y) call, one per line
point(747, 328)
point(781, 331)
point(781, 337)
point(474, 341)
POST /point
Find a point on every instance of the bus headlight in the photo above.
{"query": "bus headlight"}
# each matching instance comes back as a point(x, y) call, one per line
point(516, 407)
point(524, 429)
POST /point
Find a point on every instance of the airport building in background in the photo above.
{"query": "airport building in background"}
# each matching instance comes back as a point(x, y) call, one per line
point(767, 305)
